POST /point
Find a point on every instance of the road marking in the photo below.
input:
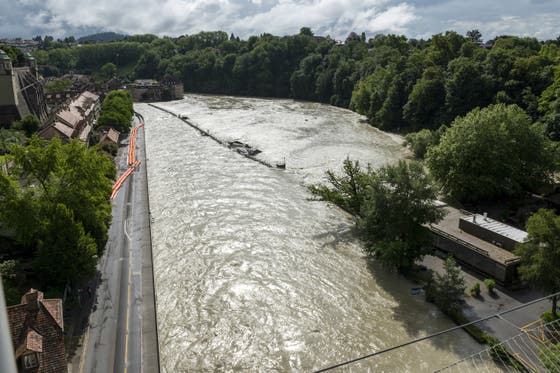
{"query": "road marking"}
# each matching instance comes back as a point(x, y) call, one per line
point(129, 274)
point(84, 350)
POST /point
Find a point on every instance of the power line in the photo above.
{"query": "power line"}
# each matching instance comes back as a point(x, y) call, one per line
point(499, 314)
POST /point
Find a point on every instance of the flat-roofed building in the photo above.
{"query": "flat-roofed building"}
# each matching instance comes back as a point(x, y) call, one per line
point(479, 242)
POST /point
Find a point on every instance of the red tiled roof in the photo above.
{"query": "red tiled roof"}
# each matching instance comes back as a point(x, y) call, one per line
point(39, 328)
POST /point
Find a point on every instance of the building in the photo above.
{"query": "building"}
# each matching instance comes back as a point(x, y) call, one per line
point(25, 45)
point(146, 90)
point(109, 136)
point(479, 242)
point(74, 120)
point(37, 331)
point(21, 91)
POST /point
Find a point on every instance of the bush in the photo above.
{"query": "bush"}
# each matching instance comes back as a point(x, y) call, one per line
point(490, 285)
point(548, 316)
point(475, 289)
point(111, 149)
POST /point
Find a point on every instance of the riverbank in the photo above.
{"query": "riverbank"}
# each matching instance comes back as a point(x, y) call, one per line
point(150, 344)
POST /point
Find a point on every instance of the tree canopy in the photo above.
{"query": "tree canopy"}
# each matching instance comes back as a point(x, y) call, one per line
point(56, 202)
point(116, 111)
point(392, 206)
point(540, 254)
point(492, 153)
point(398, 83)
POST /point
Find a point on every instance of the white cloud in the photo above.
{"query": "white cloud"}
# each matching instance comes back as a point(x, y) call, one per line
point(243, 17)
point(413, 18)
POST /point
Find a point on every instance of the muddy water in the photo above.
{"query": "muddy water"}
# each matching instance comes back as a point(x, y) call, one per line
point(252, 276)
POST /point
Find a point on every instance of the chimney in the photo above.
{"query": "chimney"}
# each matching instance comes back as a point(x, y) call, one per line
point(32, 300)
point(486, 216)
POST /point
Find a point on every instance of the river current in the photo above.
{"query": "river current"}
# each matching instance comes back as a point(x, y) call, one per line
point(250, 274)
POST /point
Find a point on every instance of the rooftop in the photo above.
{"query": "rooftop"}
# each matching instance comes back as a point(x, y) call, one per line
point(450, 225)
point(497, 227)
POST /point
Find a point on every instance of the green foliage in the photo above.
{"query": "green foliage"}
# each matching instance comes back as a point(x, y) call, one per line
point(448, 289)
point(392, 205)
point(29, 125)
point(63, 219)
point(65, 253)
point(426, 100)
point(492, 153)
point(8, 138)
point(550, 357)
point(540, 254)
point(346, 191)
point(15, 54)
point(419, 142)
point(475, 289)
point(490, 285)
point(147, 66)
point(548, 316)
point(57, 85)
point(399, 83)
point(116, 111)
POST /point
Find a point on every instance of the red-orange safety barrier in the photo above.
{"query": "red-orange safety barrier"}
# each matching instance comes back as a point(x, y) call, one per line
point(131, 160)
point(123, 177)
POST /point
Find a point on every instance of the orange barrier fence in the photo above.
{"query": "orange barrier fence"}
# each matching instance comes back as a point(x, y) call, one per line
point(122, 178)
point(131, 161)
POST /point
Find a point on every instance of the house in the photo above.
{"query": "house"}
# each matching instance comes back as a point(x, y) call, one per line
point(479, 242)
point(36, 328)
point(109, 136)
point(75, 120)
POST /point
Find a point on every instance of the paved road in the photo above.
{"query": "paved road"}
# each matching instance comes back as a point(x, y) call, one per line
point(122, 334)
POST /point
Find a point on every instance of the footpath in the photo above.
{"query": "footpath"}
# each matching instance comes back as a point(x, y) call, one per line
point(508, 326)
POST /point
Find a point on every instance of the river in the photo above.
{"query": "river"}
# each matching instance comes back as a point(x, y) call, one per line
point(250, 274)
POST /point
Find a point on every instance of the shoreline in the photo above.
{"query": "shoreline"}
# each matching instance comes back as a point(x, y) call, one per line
point(149, 330)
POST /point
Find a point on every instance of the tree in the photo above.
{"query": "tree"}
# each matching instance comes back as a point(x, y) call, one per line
point(540, 254)
point(475, 36)
point(108, 71)
point(80, 178)
point(399, 201)
point(449, 288)
point(147, 66)
point(29, 124)
point(419, 142)
point(492, 153)
point(425, 102)
point(391, 204)
point(346, 191)
point(65, 253)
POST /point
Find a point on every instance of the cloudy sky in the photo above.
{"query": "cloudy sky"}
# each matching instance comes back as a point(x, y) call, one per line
point(414, 18)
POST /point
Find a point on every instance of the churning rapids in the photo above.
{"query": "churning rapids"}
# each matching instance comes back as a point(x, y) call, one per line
point(250, 274)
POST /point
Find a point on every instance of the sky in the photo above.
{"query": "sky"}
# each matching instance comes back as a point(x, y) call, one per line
point(337, 18)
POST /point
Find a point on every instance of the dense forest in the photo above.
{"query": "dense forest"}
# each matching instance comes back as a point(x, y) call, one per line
point(400, 84)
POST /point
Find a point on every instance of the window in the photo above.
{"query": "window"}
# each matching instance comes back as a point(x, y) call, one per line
point(30, 361)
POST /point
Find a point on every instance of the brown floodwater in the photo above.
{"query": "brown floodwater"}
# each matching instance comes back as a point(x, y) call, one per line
point(250, 274)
